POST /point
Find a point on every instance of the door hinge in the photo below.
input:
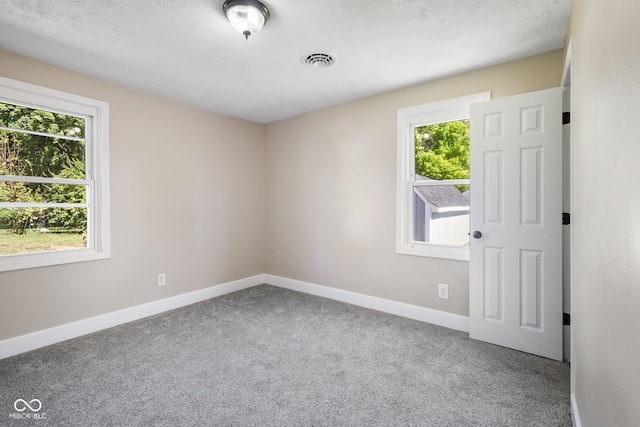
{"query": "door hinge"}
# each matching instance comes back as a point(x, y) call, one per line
point(566, 319)
point(566, 118)
point(566, 218)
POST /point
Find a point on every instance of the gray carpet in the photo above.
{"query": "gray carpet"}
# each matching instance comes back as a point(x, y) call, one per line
point(267, 356)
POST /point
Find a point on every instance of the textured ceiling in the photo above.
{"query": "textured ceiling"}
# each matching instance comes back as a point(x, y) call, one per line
point(188, 51)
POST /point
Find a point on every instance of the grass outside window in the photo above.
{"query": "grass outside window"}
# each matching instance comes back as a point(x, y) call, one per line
point(35, 241)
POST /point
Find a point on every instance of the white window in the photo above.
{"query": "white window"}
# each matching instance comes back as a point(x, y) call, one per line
point(433, 183)
point(54, 182)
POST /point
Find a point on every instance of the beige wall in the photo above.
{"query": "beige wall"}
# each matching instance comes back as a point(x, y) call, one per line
point(331, 190)
point(330, 200)
point(187, 199)
point(606, 211)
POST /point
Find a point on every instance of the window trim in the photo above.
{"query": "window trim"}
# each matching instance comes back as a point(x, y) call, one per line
point(97, 143)
point(407, 120)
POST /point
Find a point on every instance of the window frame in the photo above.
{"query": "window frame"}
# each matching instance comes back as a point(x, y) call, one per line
point(407, 120)
point(96, 114)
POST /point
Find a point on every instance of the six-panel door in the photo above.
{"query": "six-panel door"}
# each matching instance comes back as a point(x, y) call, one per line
point(516, 204)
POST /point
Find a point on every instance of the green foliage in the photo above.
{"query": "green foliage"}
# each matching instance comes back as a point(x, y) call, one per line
point(38, 155)
point(17, 219)
point(26, 154)
point(442, 150)
point(70, 217)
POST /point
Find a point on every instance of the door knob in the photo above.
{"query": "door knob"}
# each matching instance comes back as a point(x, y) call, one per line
point(477, 234)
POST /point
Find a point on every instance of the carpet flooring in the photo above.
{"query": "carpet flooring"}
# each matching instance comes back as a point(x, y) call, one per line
point(267, 356)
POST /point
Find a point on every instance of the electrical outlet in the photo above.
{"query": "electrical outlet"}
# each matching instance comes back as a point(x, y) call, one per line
point(162, 279)
point(443, 291)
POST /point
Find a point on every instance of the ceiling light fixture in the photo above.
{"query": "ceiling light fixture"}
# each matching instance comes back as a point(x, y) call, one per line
point(246, 16)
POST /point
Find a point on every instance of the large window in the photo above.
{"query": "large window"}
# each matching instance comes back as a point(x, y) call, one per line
point(433, 208)
point(54, 192)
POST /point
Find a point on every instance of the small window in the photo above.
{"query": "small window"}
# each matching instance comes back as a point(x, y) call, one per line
point(433, 209)
point(54, 192)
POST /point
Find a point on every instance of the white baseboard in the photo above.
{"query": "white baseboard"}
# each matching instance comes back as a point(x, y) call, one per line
point(575, 415)
point(34, 340)
point(441, 318)
point(12, 346)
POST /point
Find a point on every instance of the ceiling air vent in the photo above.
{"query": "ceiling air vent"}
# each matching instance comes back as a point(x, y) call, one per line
point(319, 60)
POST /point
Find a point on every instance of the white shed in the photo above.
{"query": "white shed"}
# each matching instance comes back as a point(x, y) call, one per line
point(441, 215)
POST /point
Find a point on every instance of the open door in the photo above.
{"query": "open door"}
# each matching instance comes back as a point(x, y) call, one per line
point(516, 223)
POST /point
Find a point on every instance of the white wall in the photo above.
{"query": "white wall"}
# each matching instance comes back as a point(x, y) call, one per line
point(331, 190)
point(187, 199)
point(606, 201)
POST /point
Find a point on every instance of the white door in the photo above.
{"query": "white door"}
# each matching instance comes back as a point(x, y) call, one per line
point(515, 263)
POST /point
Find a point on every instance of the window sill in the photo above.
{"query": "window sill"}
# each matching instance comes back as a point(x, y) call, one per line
point(45, 259)
point(458, 253)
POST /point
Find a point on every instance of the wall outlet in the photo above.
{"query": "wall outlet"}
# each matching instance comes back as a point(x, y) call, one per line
point(443, 291)
point(162, 279)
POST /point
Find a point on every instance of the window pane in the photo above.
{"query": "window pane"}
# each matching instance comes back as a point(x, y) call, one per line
point(24, 192)
point(23, 154)
point(442, 150)
point(25, 230)
point(440, 215)
point(18, 117)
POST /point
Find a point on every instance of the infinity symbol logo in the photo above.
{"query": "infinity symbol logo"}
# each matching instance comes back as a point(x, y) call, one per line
point(21, 405)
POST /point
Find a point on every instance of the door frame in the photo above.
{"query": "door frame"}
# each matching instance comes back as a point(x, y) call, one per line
point(566, 82)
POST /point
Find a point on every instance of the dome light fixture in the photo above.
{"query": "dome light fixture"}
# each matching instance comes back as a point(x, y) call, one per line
point(246, 16)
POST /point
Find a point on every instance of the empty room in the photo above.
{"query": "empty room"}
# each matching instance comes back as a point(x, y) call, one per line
point(362, 213)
